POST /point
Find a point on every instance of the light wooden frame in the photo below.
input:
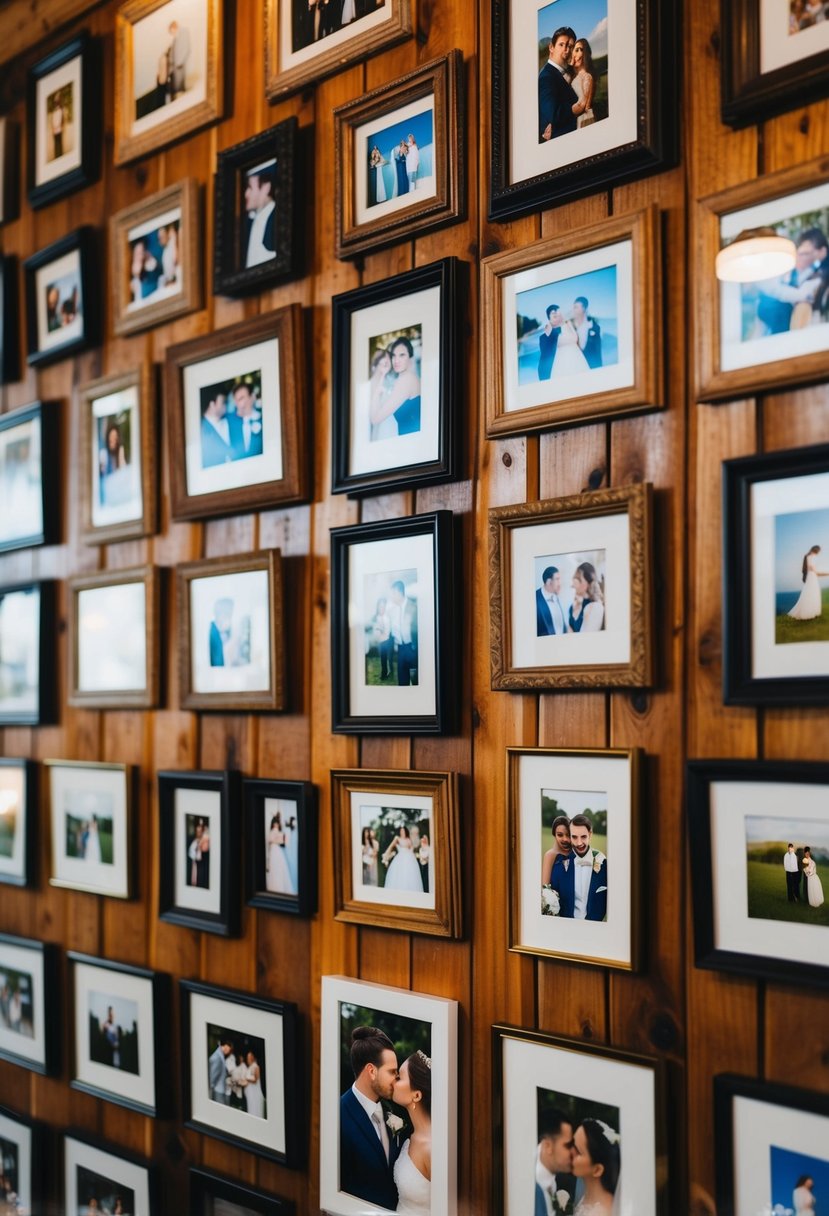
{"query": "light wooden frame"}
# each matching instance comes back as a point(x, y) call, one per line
point(642, 229)
point(142, 698)
point(126, 814)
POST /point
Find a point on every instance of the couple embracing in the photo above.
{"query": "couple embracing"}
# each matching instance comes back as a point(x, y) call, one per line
point(374, 1164)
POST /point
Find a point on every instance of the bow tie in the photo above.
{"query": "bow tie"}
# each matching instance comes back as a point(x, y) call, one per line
point(584, 861)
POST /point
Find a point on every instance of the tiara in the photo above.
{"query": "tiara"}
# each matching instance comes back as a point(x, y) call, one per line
point(609, 1133)
point(425, 1059)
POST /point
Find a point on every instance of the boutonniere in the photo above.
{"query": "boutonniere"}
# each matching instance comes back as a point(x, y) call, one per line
point(598, 860)
point(394, 1123)
point(563, 1199)
point(255, 428)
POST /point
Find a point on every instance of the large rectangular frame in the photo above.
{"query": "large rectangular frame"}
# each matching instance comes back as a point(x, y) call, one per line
point(142, 698)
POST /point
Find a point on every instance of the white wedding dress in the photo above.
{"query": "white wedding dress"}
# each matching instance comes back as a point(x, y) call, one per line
point(404, 872)
point(414, 1192)
point(569, 360)
point(278, 877)
point(810, 603)
point(814, 887)
point(253, 1094)
point(93, 846)
point(579, 84)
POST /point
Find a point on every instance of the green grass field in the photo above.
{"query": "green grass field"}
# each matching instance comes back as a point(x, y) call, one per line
point(767, 897)
point(8, 824)
point(596, 842)
point(786, 629)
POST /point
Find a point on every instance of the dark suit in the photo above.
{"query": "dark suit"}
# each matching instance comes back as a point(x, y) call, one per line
point(214, 450)
point(544, 622)
point(556, 98)
point(407, 651)
point(564, 1182)
point(267, 236)
point(563, 881)
point(547, 346)
point(237, 437)
point(364, 1171)
point(217, 650)
point(592, 348)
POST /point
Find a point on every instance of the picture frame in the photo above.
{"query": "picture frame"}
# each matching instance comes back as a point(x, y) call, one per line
point(9, 332)
point(23, 1157)
point(118, 480)
point(759, 919)
point(769, 1136)
point(27, 634)
point(370, 667)
point(126, 1066)
point(30, 974)
point(30, 476)
point(595, 794)
point(93, 1169)
point(599, 361)
point(397, 850)
point(610, 530)
point(544, 1087)
point(18, 840)
point(151, 112)
point(208, 1189)
point(633, 127)
point(115, 638)
point(768, 66)
point(63, 120)
point(155, 252)
point(198, 891)
point(257, 177)
point(226, 468)
point(773, 335)
point(424, 1029)
point(9, 170)
point(293, 57)
point(422, 108)
point(281, 874)
point(62, 298)
point(231, 631)
point(263, 1110)
point(775, 650)
point(416, 314)
point(90, 811)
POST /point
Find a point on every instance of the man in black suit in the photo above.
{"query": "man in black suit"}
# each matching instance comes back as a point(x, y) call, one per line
point(556, 96)
point(368, 1150)
point(258, 244)
point(549, 614)
point(553, 1165)
point(404, 628)
point(548, 342)
point(589, 332)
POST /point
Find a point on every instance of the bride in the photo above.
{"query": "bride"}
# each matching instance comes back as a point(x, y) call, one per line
point(569, 358)
point(596, 1160)
point(810, 603)
point(403, 873)
point(413, 1167)
point(814, 887)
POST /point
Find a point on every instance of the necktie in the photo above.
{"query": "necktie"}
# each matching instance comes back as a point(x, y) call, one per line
point(375, 1118)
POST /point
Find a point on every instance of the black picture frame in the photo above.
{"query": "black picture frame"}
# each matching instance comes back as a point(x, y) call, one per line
point(84, 241)
point(49, 956)
point(87, 49)
point(50, 472)
point(255, 792)
point(205, 1186)
point(45, 705)
point(445, 276)
point(227, 785)
point(30, 774)
point(740, 475)
point(230, 276)
point(748, 95)
point(41, 1161)
point(9, 322)
point(653, 149)
point(436, 719)
point(117, 1154)
point(9, 170)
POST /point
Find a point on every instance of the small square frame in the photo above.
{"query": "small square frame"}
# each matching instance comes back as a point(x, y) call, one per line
point(257, 792)
point(46, 417)
point(87, 50)
point(147, 695)
point(82, 242)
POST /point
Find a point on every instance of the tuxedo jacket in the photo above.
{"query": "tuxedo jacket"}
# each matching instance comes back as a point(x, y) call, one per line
point(217, 1071)
point(563, 881)
point(267, 236)
point(237, 437)
point(364, 1171)
point(556, 99)
point(547, 347)
point(564, 1182)
point(544, 623)
point(593, 346)
point(214, 450)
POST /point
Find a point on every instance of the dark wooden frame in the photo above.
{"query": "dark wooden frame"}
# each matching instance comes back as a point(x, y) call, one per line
point(227, 785)
point(131, 806)
point(204, 1185)
point(442, 80)
point(445, 275)
point(41, 1155)
point(9, 320)
point(9, 171)
point(47, 685)
point(28, 816)
point(85, 241)
point(50, 471)
point(114, 1150)
point(304, 793)
point(285, 326)
point(52, 1027)
point(127, 698)
point(657, 108)
point(162, 1013)
point(739, 475)
point(439, 525)
point(293, 1097)
point(230, 278)
point(87, 49)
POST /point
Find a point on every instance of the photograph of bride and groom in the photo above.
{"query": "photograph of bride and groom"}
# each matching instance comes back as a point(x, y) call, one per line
point(784, 882)
point(800, 565)
point(578, 1156)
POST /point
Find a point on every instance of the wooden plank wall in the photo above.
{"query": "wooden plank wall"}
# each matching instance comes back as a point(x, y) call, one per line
point(698, 1022)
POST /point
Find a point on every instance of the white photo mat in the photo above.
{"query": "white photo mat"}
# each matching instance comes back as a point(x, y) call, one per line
point(77, 1154)
point(112, 638)
point(69, 264)
point(339, 38)
point(73, 781)
point(30, 963)
point(69, 73)
point(20, 1136)
point(778, 48)
point(13, 795)
point(150, 38)
point(131, 504)
point(204, 804)
point(364, 136)
point(757, 1126)
point(90, 981)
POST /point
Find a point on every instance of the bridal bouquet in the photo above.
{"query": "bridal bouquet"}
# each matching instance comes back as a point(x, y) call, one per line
point(550, 903)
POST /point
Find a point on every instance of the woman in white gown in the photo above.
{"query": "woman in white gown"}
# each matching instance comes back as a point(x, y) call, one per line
point(403, 873)
point(253, 1090)
point(814, 887)
point(569, 359)
point(582, 83)
point(810, 603)
point(803, 1197)
point(596, 1161)
point(380, 386)
point(92, 852)
point(413, 1167)
point(277, 874)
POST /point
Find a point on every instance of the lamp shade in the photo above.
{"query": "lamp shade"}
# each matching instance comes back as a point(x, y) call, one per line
point(757, 253)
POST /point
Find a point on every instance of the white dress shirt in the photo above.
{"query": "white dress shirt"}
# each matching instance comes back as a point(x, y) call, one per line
point(790, 863)
point(547, 1182)
point(556, 612)
point(581, 883)
point(257, 252)
point(374, 1110)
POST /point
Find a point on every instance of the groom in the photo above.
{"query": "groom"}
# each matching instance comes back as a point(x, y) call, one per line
point(368, 1150)
point(581, 879)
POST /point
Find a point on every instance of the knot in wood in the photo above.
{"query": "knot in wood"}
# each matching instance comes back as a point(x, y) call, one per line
point(506, 460)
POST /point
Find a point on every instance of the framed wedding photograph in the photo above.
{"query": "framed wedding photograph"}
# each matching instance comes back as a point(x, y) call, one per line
point(562, 1108)
point(28, 692)
point(63, 120)
point(98, 1179)
point(395, 381)
point(9, 170)
point(23, 1164)
point(399, 158)
point(776, 555)
point(199, 882)
point(568, 327)
point(573, 816)
point(90, 808)
point(241, 1071)
point(213, 1195)
point(118, 457)
point(155, 254)
point(397, 850)
point(306, 42)
point(9, 320)
point(758, 337)
point(120, 1033)
point(115, 639)
point(169, 73)
point(771, 1142)
point(18, 802)
point(30, 476)
point(28, 987)
point(399, 1048)
point(583, 97)
point(255, 242)
point(393, 626)
point(281, 845)
point(231, 631)
point(62, 298)
point(774, 58)
point(235, 402)
point(758, 833)
point(570, 591)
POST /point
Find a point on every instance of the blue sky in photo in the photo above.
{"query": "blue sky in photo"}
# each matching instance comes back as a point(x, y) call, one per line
point(760, 828)
point(587, 17)
point(599, 286)
point(421, 126)
point(794, 535)
point(787, 1167)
